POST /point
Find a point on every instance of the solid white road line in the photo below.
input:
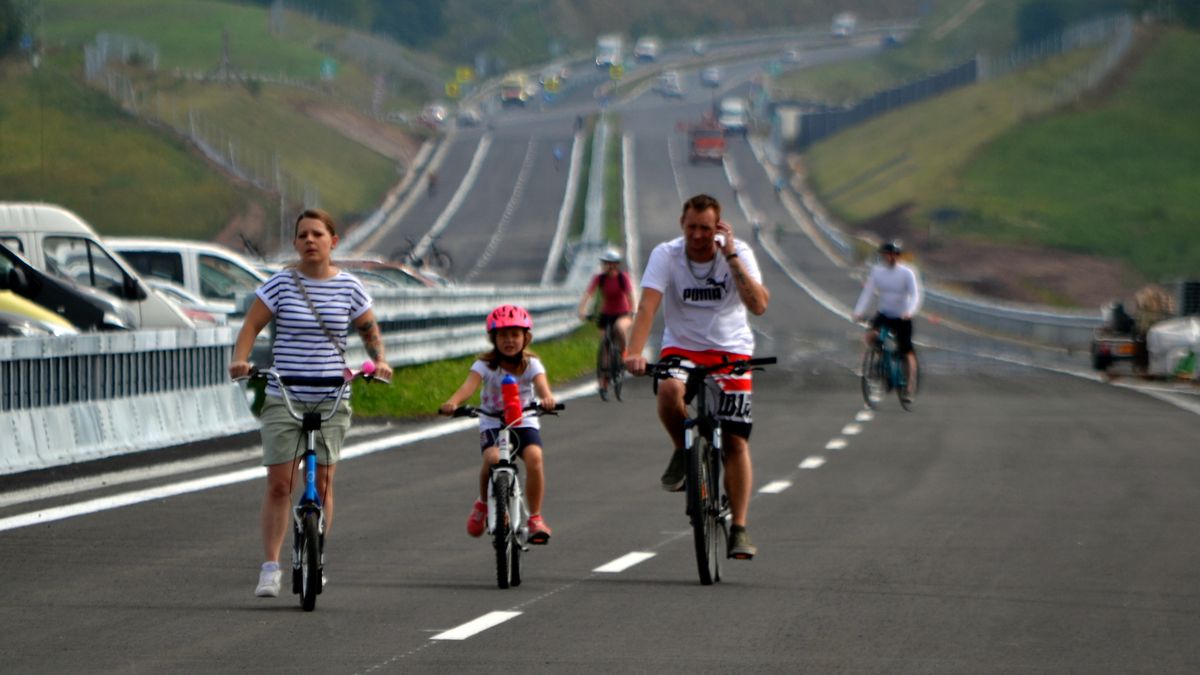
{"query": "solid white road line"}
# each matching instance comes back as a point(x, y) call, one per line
point(812, 462)
point(836, 444)
point(242, 475)
point(624, 562)
point(775, 487)
point(476, 626)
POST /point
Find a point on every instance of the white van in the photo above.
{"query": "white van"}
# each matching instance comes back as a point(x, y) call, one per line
point(58, 242)
point(211, 272)
point(733, 115)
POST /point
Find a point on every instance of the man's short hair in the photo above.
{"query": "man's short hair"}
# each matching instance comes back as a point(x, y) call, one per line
point(701, 203)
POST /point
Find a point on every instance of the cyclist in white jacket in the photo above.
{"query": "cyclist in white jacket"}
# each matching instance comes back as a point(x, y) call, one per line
point(900, 298)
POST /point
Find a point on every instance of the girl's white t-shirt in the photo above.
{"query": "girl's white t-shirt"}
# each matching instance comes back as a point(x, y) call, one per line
point(701, 307)
point(491, 397)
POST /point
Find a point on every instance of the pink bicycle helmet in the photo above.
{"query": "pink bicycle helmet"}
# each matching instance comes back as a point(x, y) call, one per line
point(509, 316)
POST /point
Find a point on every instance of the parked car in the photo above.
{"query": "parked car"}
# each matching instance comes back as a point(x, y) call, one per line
point(23, 318)
point(711, 76)
point(469, 116)
point(194, 307)
point(378, 272)
point(58, 242)
point(647, 48)
point(214, 275)
point(83, 306)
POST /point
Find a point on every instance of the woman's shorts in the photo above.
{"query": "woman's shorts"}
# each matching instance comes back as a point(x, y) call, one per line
point(525, 437)
point(283, 440)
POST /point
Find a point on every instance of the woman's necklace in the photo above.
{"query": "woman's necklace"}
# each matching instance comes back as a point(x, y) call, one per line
point(701, 277)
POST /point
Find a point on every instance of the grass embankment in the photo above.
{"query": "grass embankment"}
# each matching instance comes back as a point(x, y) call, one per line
point(1113, 177)
point(64, 143)
point(419, 390)
point(949, 35)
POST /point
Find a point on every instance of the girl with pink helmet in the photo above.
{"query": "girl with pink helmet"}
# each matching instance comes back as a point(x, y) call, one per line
point(510, 329)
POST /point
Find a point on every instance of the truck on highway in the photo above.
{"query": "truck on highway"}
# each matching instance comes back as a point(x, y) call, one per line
point(608, 50)
point(706, 140)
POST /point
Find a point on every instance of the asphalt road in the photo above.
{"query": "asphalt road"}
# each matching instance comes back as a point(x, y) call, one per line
point(1020, 519)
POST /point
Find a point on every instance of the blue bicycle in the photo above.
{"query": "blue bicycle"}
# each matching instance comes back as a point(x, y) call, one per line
point(884, 370)
point(308, 518)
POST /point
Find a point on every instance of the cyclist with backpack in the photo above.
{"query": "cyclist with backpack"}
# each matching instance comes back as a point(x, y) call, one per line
point(510, 329)
point(617, 303)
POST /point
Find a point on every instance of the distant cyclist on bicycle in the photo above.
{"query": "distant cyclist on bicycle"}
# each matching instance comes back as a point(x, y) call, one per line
point(617, 303)
point(314, 304)
point(510, 330)
point(900, 298)
point(706, 281)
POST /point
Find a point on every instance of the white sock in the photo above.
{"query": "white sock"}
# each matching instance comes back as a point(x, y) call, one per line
point(270, 566)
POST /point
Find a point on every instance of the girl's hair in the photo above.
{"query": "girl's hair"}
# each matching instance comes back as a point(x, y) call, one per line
point(318, 214)
point(493, 357)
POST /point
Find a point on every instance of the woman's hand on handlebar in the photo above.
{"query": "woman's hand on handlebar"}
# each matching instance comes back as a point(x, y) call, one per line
point(239, 369)
point(382, 370)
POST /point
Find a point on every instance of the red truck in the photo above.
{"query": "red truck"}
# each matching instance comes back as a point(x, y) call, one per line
point(706, 141)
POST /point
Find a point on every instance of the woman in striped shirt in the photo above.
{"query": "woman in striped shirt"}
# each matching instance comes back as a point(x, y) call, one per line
point(304, 346)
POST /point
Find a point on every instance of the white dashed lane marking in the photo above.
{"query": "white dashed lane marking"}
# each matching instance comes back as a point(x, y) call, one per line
point(864, 416)
point(851, 429)
point(836, 444)
point(475, 626)
point(624, 562)
point(775, 487)
point(812, 462)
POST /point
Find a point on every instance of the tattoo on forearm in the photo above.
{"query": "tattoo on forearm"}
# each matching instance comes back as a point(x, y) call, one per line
point(372, 340)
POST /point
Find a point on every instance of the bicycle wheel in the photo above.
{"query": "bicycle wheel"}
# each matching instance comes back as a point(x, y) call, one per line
point(872, 378)
point(616, 369)
point(699, 508)
point(439, 260)
point(514, 562)
point(502, 535)
point(601, 366)
point(310, 561)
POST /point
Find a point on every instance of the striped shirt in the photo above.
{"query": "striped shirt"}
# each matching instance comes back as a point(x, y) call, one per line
point(301, 347)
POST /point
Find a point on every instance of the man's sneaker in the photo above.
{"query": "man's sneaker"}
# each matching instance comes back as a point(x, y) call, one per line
point(477, 521)
point(539, 532)
point(268, 583)
point(676, 473)
point(740, 547)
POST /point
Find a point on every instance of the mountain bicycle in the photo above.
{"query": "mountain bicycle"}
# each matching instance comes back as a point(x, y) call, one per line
point(507, 512)
point(884, 370)
point(610, 364)
point(707, 505)
point(308, 516)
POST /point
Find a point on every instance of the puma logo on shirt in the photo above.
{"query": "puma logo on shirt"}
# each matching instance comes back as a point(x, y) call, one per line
point(713, 291)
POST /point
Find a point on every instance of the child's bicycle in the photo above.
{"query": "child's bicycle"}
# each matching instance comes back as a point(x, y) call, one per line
point(308, 518)
point(707, 505)
point(884, 370)
point(506, 509)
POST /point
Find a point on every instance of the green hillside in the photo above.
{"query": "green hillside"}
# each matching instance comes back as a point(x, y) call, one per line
point(1114, 176)
point(64, 143)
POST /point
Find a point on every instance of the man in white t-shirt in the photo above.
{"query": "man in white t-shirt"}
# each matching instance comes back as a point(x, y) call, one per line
point(705, 282)
point(900, 298)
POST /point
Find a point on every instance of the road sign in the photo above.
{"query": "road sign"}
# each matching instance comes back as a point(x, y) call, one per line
point(464, 74)
point(452, 89)
point(616, 71)
point(551, 84)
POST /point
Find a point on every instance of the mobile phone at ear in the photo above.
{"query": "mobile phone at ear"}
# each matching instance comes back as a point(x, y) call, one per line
point(720, 239)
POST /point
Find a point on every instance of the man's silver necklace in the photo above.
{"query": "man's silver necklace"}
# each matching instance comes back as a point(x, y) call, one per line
point(701, 277)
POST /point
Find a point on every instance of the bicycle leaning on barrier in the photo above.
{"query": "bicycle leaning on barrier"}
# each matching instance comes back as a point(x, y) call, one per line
point(707, 504)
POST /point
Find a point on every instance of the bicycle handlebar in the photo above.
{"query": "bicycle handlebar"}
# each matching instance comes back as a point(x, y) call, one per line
point(661, 370)
point(535, 407)
point(304, 381)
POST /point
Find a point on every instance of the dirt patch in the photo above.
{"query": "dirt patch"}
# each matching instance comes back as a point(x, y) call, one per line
point(381, 137)
point(250, 223)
